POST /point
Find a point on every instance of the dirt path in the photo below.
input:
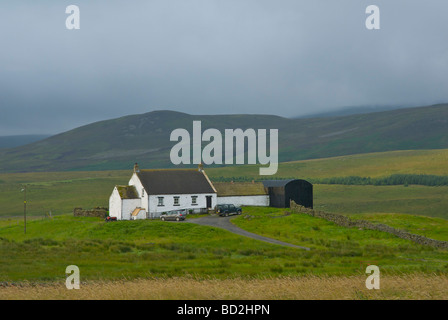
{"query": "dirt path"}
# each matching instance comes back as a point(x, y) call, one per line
point(224, 223)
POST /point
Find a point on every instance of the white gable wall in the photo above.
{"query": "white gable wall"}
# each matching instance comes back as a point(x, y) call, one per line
point(135, 181)
point(115, 204)
point(142, 193)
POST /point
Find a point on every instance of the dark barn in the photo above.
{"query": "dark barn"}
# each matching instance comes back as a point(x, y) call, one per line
point(282, 191)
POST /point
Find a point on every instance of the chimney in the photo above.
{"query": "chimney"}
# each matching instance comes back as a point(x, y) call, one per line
point(136, 168)
point(200, 167)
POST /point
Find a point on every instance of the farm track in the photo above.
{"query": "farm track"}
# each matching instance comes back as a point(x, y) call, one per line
point(224, 223)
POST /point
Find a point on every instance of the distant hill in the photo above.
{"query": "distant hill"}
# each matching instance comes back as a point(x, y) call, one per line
point(17, 141)
point(144, 138)
point(347, 111)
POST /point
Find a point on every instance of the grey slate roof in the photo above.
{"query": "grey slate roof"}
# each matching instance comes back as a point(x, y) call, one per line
point(174, 181)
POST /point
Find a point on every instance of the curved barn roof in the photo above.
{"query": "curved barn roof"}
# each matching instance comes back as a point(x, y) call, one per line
point(280, 183)
point(276, 183)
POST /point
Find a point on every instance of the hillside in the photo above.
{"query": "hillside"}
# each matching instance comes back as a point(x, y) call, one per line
point(118, 143)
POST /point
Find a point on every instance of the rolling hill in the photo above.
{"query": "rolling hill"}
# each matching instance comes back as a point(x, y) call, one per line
point(144, 138)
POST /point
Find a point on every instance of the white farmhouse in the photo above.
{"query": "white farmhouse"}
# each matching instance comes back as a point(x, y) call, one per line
point(152, 192)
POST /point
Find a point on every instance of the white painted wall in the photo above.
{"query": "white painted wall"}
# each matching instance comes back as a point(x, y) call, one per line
point(184, 203)
point(115, 204)
point(141, 215)
point(142, 193)
point(123, 208)
point(128, 206)
point(135, 181)
point(257, 200)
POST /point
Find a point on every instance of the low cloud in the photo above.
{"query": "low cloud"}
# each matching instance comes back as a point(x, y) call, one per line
point(288, 58)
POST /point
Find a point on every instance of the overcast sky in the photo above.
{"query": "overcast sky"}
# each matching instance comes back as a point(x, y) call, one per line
point(288, 58)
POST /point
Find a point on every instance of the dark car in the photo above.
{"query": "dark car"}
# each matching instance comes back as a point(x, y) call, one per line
point(175, 215)
point(225, 210)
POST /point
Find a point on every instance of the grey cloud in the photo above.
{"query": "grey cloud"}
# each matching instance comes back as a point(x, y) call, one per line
point(290, 58)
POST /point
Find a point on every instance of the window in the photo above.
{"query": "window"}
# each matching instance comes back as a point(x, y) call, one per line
point(176, 201)
point(143, 193)
point(160, 204)
point(194, 200)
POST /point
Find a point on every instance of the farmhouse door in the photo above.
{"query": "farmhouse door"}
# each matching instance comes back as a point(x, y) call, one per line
point(209, 201)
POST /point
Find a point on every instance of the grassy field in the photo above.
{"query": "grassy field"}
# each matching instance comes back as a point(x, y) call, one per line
point(416, 200)
point(417, 286)
point(139, 249)
point(143, 252)
point(60, 192)
point(130, 249)
point(434, 228)
point(380, 164)
point(92, 189)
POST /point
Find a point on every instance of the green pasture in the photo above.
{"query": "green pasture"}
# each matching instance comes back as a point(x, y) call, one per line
point(379, 164)
point(145, 248)
point(134, 249)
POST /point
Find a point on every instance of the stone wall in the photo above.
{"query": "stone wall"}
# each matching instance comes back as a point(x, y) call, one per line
point(345, 221)
point(98, 212)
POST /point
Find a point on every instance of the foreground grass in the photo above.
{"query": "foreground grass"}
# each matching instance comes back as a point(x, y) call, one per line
point(132, 249)
point(145, 248)
point(346, 246)
point(416, 286)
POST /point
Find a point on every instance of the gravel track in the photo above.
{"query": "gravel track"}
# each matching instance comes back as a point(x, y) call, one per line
point(224, 223)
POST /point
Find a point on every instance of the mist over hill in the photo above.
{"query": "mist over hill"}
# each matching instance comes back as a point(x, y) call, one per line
point(145, 138)
point(352, 110)
point(20, 140)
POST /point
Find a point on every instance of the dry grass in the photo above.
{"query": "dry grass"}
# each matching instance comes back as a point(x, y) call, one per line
point(239, 188)
point(432, 287)
point(374, 165)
